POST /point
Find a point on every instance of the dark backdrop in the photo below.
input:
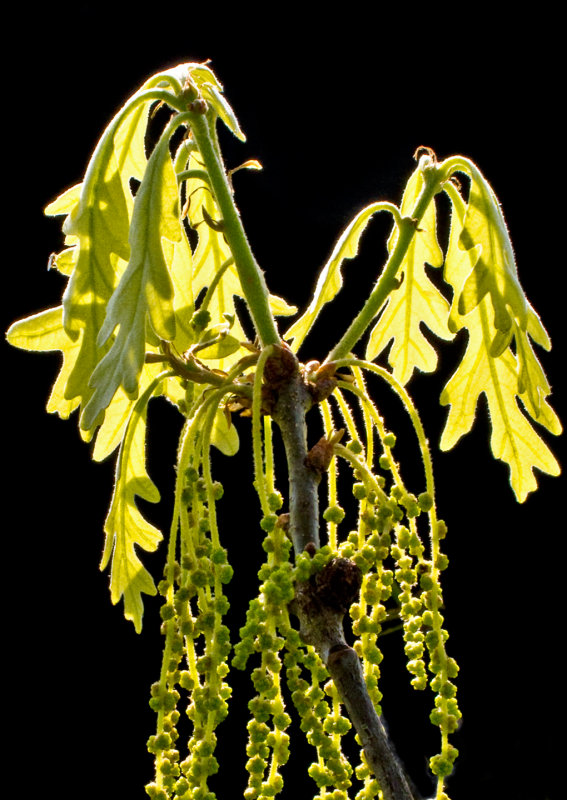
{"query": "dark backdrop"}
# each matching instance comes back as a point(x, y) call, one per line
point(334, 108)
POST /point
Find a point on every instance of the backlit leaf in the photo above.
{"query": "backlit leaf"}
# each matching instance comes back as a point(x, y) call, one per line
point(211, 90)
point(225, 346)
point(417, 301)
point(504, 379)
point(45, 332)
point(145, 292)
point(280, 308)
point(65, 203)
point(330, 279)
point(125, 527)
point(224, 436)
point(494, 269)
point(97, 223)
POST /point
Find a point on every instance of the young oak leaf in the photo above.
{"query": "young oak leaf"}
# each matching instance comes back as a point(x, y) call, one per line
point(224, 436)
point(493, 267)
point(503, 379)
point(45, 332)
point(110, 432)
point(330, 279)
point(415, 301)
point(98, 215)
point(125, 527)
point(145, 292)
point(212, 92)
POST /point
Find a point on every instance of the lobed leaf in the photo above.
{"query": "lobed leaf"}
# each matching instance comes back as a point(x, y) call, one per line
point(416, 301)
point(125, 527)
point(98, 217)
point(484, 232)
point(45, 332)
point(504, 378)
point(330, 279)
point(145, 292)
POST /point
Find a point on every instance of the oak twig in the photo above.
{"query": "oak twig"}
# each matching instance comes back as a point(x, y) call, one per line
point(321, 603)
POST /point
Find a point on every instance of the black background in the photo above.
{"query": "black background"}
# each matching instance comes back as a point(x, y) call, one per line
point(334, 108)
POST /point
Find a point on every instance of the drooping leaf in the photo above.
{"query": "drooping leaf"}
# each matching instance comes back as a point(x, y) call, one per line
point(145, 292)
point(416, 301)
point(330, 279)
point(110, 433)
point(66, 202)
point(45, 332)
point(504, 379)
point(98, 216)
point(125, 527)
point(494, 268)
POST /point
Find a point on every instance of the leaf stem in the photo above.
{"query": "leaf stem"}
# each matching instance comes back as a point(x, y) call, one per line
point(249, 272)
point(407, 228)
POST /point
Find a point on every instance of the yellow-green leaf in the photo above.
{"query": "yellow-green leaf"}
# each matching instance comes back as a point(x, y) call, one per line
point(65, 261)
point(280, 308)
point(145, 292)
point(504, 379)
point(65, 203)
point(224, 436)
point(416, 301)
point(494, 267)
point(45, 332)
point(223, 347)
point(125, 527)
point(330, 279)
point(98, 216)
